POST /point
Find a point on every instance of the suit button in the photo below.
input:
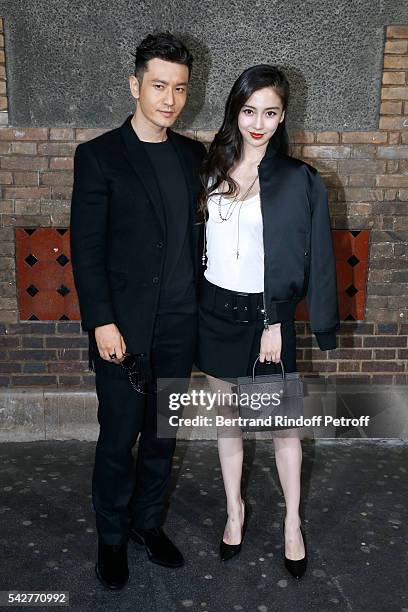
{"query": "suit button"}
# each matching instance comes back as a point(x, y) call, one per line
point(306, 252)
point(155, 280)
point(159, 245)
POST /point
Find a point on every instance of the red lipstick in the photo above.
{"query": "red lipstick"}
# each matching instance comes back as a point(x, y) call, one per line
point(256, 135)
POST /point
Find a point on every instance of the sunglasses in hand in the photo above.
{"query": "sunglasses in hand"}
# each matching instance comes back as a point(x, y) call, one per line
point(136, 368)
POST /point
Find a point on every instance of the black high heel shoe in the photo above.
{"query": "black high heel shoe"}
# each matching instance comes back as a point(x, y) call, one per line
point(227, 551)
point(295, 567)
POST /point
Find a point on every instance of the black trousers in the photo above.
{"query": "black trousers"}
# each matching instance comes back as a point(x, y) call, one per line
point(126, 494)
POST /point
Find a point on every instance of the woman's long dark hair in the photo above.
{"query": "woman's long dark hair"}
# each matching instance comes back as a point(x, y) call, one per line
point(226, 148)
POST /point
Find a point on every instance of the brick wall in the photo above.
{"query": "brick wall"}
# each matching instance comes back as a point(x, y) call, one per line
point(367, 177)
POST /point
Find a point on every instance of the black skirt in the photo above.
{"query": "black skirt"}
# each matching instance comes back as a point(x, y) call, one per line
point(230, 326)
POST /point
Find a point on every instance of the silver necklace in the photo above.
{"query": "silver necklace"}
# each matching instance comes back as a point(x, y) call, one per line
point(233, 204)
point(231, 209)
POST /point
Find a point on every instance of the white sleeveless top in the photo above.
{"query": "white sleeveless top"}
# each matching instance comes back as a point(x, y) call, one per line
point(224, 269)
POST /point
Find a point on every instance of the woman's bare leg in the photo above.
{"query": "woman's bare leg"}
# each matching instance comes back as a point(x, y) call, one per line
point(288, 456)
point(230, 450)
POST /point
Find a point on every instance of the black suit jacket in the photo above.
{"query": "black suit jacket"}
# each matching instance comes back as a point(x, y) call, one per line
point(118, 231)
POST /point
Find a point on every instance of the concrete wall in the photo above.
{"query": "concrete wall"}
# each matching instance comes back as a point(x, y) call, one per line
point(68, 61)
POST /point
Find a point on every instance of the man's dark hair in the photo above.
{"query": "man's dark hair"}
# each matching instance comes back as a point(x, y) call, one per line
point(164, 46)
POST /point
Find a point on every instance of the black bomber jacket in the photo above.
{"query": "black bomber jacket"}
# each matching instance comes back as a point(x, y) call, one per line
point(298, 251)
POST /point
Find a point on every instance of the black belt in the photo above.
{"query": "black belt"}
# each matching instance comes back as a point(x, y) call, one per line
point(235, 305)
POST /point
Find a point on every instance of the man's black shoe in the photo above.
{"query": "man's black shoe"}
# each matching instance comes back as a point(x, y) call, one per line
point(160, 549)
point(112, 566)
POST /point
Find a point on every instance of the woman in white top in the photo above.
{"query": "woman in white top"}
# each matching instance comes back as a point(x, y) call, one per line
point(258, 204)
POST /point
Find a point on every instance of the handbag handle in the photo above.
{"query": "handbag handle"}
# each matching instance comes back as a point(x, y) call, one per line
point(254, 366)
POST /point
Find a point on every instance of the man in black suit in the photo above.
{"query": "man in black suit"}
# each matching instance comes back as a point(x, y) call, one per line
point(133, 244)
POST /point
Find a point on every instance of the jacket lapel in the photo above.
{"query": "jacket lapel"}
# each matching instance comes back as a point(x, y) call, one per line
point(139, 161)
point(191, 180)
point(186, 167)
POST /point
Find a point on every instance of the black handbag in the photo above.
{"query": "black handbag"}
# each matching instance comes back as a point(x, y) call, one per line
point(269, 402)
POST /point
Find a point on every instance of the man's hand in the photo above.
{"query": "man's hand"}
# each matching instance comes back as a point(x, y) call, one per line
point(110, 341)
point(271, 344)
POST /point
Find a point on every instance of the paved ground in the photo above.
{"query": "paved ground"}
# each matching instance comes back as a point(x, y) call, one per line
point(354, 504)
